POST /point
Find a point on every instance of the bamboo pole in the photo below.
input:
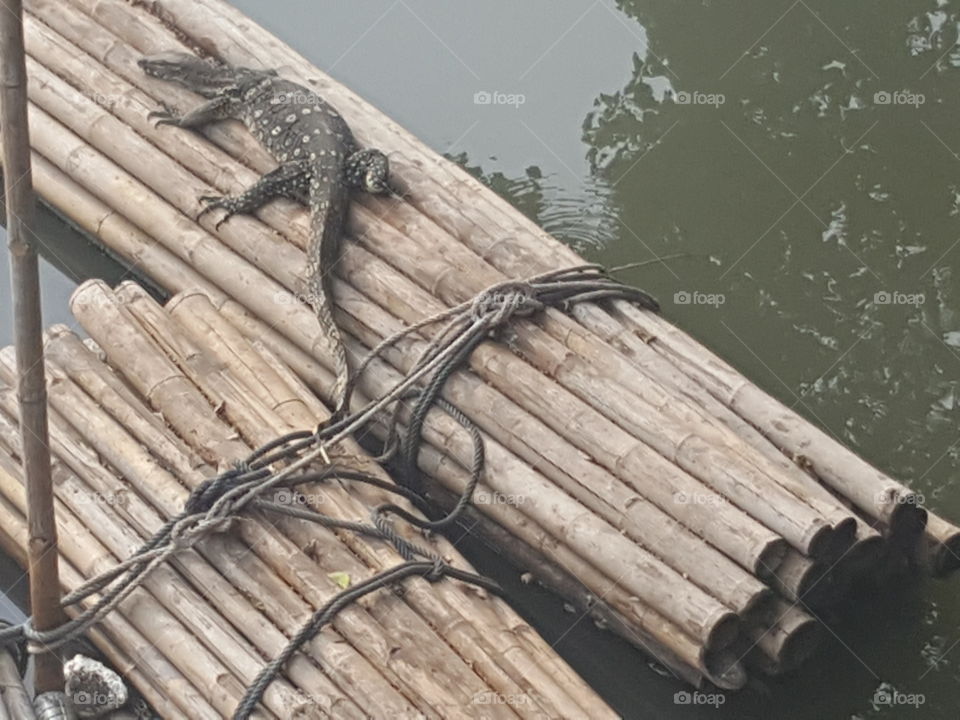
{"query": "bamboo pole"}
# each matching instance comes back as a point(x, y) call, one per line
point(98, 507)
point(787, 643)
point(225, 342)
point(249, 283)
point(109, 440)
point(114, 324)
point(123, 628)
point(80, 313)
point(640, 520)
point(246, 30)
point(231, 558)
point(230, 34)
point(814, 536)
point(31, 388)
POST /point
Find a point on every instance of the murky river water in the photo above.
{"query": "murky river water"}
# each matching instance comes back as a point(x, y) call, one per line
point(801, 157)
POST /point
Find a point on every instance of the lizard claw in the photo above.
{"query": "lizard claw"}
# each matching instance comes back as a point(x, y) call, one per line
point(163, 117)
point(212, 202)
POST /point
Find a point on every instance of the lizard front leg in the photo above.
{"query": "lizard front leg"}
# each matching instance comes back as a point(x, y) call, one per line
point(290, 180)
point(220, 107)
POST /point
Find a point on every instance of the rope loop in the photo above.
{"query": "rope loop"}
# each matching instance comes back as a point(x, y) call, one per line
point(295, 459)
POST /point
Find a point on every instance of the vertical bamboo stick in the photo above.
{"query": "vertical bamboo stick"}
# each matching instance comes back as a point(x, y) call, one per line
point(31, 386)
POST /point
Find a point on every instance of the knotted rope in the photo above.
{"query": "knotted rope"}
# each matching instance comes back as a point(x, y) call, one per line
point(290, 460)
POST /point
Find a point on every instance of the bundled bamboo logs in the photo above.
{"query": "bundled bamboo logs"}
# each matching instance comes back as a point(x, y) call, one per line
point(663, 493)
point(388, 661)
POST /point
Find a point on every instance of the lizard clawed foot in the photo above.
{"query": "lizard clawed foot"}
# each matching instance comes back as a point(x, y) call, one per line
point(164, 117)
point(212, 202)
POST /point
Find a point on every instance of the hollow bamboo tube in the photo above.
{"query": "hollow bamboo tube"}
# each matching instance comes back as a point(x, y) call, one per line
point(812, 538)
point(641, 521)
point(540, 542)
point(97, 505)
point(791, 640)
point(153, 675)
point(148, 313)
point(111, 441)
point(528, 246)
point(234, 559)
point(797, 576)
point(671, 645)
point(944, 539)
point(766, 561)
point(353, 620)
point(362, 118)
point(160, 629)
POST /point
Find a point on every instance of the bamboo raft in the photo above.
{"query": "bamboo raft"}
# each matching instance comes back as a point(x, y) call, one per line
point(197, 632)
point(628, 468)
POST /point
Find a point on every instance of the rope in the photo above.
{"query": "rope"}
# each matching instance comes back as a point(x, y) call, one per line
point(290, 460)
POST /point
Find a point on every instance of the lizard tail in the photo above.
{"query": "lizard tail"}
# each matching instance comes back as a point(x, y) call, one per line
point(341, 366)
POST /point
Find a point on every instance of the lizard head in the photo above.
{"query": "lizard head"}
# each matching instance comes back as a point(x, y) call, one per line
point(369, 171)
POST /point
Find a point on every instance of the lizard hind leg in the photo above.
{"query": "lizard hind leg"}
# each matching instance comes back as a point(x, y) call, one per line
point(290, 180)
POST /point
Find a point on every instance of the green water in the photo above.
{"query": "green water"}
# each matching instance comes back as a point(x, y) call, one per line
point(802, 156)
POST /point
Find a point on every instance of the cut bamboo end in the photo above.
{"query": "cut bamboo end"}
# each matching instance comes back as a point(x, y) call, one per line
point(787, 643)
point(800, 578)
point(943, 540)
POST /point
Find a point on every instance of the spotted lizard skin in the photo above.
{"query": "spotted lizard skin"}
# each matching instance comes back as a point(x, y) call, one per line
point(319, 163)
